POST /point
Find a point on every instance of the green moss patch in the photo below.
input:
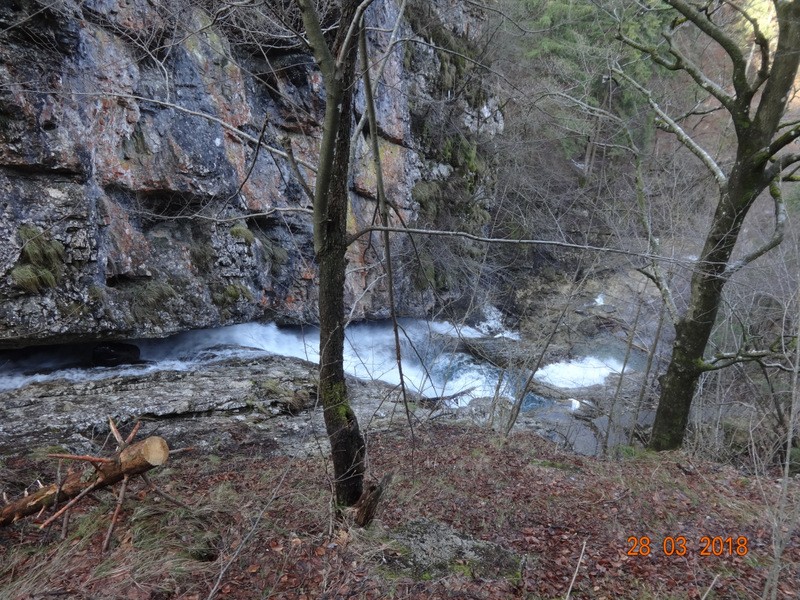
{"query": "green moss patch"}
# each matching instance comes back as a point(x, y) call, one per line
point(231, 294)
point(241, 232)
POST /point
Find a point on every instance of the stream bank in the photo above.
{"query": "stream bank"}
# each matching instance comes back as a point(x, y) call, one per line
point(228, 386)
point(263, 403)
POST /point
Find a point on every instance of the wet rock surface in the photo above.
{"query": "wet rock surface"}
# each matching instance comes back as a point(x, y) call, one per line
point(266, 403)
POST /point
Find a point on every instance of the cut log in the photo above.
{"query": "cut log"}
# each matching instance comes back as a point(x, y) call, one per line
point(140, 457)
point(135, 459)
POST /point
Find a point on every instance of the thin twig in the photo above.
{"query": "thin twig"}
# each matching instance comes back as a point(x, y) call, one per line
point(164, 495)
point(575, 574)
point(133, 432)
point(71, 503)
point(115, 516)
point(708, 591)
point(115, 432)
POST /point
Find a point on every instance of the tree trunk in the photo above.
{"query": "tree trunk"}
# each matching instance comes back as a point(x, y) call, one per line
point(331, 199)
point(693, 331)
point(347, 443)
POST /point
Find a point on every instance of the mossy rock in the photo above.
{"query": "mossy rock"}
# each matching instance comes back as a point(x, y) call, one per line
point(97, 294)
point(149, 298)
point(454, 52)
point(203, 256)
point(273, 252)
point(280, 257)
point(287, 399)
point(431, 549)
point(231, 294)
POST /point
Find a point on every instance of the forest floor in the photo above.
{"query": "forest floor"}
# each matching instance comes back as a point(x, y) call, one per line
point(468, 515)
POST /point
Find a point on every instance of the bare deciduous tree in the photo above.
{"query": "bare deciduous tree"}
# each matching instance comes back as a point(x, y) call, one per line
point(756, 101)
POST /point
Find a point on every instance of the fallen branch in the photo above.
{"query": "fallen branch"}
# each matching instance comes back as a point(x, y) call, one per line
point(437, 401)
point(135, 459)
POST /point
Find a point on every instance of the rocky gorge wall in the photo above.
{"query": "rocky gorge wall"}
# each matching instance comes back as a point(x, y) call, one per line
point(133, 199)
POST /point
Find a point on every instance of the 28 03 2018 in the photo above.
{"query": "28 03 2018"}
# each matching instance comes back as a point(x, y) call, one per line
point(680, 546)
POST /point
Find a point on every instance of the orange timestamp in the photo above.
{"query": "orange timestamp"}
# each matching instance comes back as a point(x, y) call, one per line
point(681, 546)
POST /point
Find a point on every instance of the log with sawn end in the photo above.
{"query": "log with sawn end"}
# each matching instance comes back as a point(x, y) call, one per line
point(135, 459)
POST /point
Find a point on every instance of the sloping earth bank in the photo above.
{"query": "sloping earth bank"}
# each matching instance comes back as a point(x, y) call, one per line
point(469, 515)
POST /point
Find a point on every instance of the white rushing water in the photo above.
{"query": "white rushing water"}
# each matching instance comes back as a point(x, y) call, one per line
point(581, 372)
point(431, 364)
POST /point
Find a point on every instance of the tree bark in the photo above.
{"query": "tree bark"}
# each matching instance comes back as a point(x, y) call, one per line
point(135, 459)
point(749, 175)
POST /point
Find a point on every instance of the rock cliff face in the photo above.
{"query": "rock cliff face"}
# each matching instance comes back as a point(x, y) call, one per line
point(134, 199)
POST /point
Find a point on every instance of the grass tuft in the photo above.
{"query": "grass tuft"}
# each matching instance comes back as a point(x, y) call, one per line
point(41, 261)
point(203, 257)
point(148, 299)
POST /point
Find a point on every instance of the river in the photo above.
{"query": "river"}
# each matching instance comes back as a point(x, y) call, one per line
point(431, 364)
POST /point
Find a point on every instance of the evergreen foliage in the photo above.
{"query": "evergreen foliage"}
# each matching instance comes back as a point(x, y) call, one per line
point(577, 47)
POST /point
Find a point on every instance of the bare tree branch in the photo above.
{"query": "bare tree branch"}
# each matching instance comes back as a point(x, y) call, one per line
point(523, 242)
point(678, 131)
point(777, 234)
point(29, 17)
point(680, 62)
point(702, 20)
point(784, 140)
point(761, 41)
point(352, 30)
